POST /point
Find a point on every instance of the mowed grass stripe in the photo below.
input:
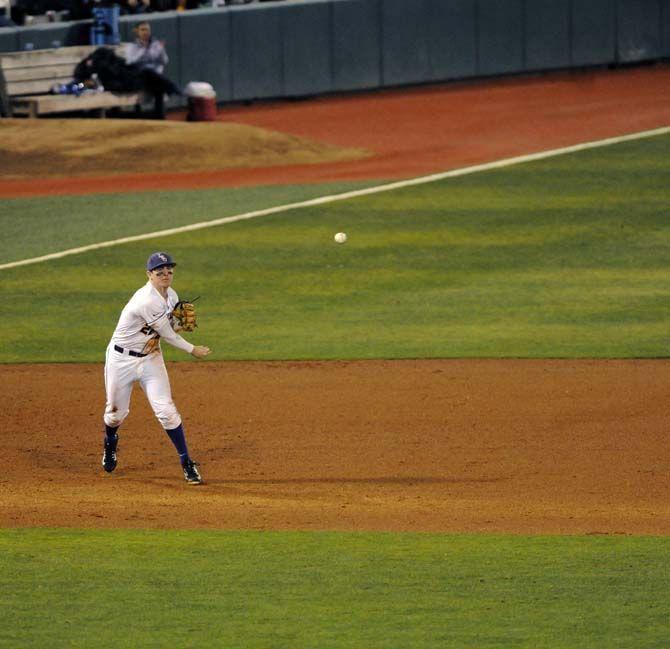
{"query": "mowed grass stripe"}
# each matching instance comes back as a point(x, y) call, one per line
point(565, 257)
point(44, 225)
point(68, 588)
point(323, 200)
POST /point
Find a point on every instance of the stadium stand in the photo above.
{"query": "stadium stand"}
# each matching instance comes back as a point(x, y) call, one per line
point(27, 79)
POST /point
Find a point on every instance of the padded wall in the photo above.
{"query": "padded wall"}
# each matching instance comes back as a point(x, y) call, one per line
point(593, 32)
point(46, 35)
point(356, 44)
point(211, 60)
point(9, 39)
point(501, 33)
point(639, 36)
point(306, 48)
point(547, 28)
point(405, 45)
point(309, 47)
point(257, 54)
point(452, 26)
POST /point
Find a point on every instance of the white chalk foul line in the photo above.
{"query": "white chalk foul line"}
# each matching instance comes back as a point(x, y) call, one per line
point(506, 162)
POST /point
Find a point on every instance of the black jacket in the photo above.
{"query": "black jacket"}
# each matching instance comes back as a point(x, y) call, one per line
point(118, 76)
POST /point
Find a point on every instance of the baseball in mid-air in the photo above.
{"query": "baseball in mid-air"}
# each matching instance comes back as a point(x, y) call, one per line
point(340, 237)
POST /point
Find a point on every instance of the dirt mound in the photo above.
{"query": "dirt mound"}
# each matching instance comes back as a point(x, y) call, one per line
point(80, 147)
point(411, 132)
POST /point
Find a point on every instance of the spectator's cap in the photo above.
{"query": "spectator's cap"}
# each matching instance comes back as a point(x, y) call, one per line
point(159, 259)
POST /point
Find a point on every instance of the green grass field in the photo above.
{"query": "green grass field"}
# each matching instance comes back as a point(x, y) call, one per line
point(561, 258)
point(250, 589)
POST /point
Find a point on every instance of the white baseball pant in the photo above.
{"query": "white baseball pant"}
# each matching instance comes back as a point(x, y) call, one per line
point(121, 373)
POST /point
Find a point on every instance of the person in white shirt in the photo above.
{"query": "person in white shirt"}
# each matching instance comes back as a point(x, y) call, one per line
point(134, 355)
point(149, 53)
point(146, 51)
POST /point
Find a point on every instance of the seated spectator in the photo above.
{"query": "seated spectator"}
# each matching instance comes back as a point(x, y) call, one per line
point(149, 53)
point(146, 51)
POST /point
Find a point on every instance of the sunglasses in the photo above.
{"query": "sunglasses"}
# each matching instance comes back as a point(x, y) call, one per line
point(164, 272)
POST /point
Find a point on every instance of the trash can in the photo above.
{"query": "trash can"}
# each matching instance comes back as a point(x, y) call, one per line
point(201, 102)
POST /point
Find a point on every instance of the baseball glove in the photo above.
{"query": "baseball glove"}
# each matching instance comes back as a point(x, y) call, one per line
point(184, 314)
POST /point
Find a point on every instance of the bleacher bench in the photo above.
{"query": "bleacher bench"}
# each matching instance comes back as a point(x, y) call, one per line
point(26, 79)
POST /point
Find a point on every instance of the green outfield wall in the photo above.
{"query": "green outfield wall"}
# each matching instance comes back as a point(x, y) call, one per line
point(300, 48)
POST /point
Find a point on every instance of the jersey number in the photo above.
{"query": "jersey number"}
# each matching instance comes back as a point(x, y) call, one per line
point(152, 344)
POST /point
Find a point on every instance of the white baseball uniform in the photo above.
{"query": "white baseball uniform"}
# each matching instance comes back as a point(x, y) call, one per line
point(134, 354)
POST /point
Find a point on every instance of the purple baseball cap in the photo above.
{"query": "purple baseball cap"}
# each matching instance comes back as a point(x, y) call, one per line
point(159, 259)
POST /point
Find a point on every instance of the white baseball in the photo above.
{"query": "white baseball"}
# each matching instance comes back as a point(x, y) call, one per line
point(340, 237)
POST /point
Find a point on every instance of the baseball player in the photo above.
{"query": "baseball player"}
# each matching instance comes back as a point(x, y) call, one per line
point(134, 354)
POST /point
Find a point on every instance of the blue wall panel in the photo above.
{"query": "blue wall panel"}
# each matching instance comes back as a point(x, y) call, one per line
point(405, 47)
point(9, 39)
point(501, 34)
point(593, 32)
point(211, 60)
point(356, 44)
point(306, 40)
point(44, 36)
point(452, 39)
point(308, 47)
point(547, 28)
point(257, 51)
point(638, 30)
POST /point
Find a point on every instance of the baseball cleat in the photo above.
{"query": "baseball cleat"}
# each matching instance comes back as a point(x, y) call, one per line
point(109, 455)
point(191, 474)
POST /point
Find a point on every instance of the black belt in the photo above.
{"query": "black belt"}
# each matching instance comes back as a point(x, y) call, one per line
point(130, 352)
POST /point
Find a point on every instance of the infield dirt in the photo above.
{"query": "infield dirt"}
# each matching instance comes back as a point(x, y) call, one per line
point(449, 446)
